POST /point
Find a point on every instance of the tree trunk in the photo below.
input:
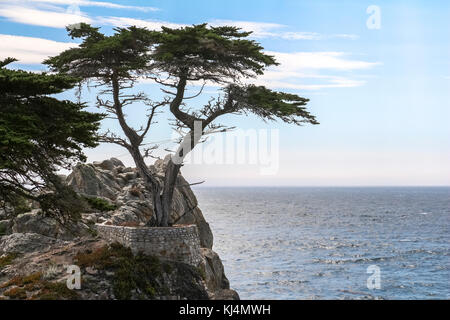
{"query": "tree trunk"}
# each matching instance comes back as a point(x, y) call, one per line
point(151, 183)
point(170, 181)
point(173, 168)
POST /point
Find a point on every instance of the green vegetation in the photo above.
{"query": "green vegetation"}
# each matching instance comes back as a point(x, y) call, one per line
point(100, 204)
point(202, 273)
point(55, 291)
point(134, 275)
point(3, 229)
point(20, 205)
point(38, 135)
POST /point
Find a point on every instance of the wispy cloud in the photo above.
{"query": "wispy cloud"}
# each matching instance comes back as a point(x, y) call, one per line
point(58, 13)
point(84, 3)
point(297, 70)
point(329, 82)
point(259, 29)
point(125, 22)
point(312, 71)
point(54, 19)
point(275, 30)
point(319, 60)
point(303, 71)
point(29, 50)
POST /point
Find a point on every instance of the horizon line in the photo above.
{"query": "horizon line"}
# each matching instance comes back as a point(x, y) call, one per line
point(321, 186)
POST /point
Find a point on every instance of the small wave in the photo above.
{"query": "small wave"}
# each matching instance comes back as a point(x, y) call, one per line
point(362, 295)
point(357, 260)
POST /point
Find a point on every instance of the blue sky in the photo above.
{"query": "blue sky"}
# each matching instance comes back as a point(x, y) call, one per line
point(381, 95)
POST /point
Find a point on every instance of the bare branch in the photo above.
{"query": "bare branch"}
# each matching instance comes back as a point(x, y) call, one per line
point(111, 137)
point(190, 184)
point(186, 118)
point(199, 93)
point(150, 117)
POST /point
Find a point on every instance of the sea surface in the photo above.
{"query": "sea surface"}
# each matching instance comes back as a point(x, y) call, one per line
point(318, 242)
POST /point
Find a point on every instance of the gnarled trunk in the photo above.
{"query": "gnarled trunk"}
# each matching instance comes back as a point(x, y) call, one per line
point(152, 185)
point(174, 165)
point(135, 141)
point(170, 181)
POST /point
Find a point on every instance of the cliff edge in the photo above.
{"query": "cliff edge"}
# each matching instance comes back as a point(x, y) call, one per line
point(35, 251)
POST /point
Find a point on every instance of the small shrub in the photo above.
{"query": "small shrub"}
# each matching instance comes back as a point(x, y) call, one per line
point(32, 278)
point(134, 275)
point(20, 205)
point(98, 258)
point(100, 204)
point(55, 291)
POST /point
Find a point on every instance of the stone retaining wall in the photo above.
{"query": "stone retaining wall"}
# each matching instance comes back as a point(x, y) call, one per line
point(178, 243)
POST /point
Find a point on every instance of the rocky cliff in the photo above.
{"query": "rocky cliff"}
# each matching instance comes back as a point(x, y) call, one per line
point(35, 250)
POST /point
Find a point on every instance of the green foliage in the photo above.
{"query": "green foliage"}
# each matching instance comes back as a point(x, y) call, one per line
point(269, 104)
point(134, 275)
point(194, 53)
point(200, 52)
point(202, 273)
point(20, 205)
point(123, 54)
point(55, 291)
point(38, 134)
point(100, 204)
point(17, 83)
point(64, 204)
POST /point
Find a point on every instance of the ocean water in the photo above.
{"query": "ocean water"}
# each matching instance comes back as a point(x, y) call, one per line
point(317, 243)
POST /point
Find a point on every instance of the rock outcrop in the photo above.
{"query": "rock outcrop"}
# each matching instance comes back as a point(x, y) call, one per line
point(35, 246)
point(109, 271)
point(21, 243)
point(123, 187)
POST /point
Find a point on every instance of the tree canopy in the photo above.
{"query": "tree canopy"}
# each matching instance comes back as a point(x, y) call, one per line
point(38, 135)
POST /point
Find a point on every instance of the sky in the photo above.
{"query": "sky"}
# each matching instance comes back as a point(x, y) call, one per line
point(377, 74)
